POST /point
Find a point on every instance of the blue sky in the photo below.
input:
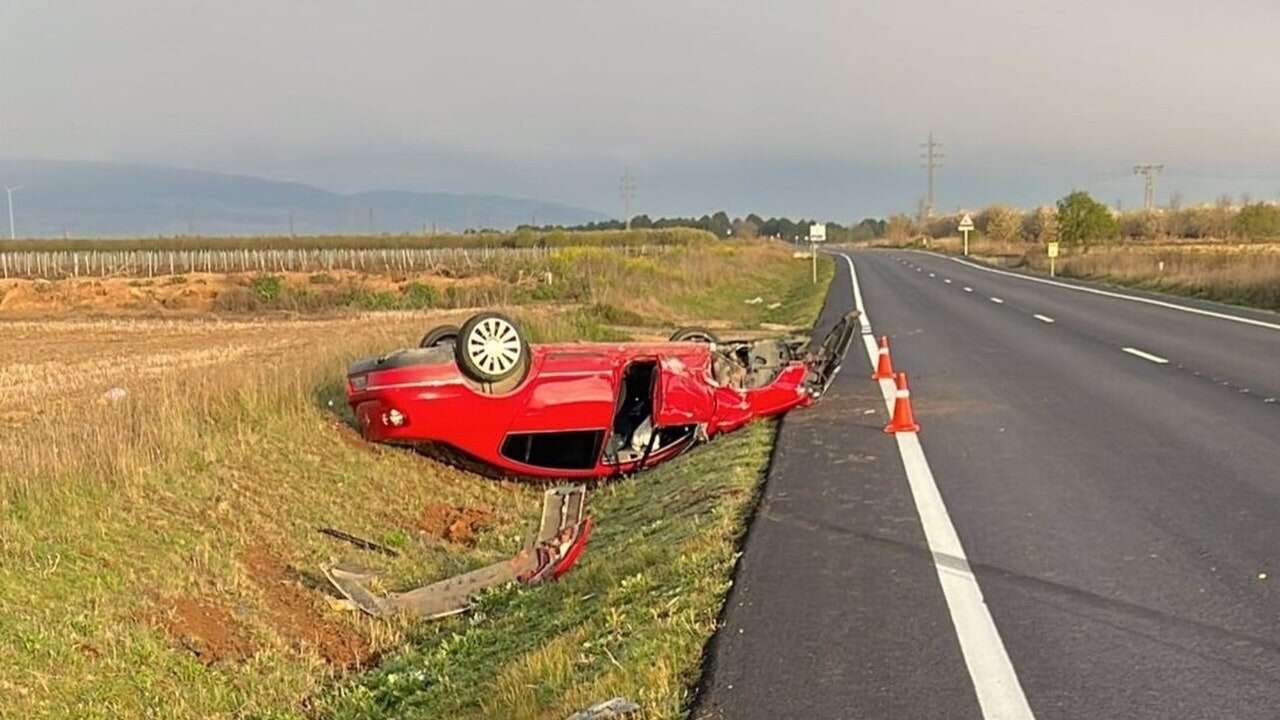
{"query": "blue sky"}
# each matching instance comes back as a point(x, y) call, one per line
point(801, 108)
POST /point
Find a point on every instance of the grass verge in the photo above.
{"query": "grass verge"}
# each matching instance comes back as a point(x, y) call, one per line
point(631, 620)
point(158, 553)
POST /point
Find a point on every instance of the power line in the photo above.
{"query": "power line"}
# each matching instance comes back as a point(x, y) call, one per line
point(932, 157)
point(1148, 172)
point(627, 188)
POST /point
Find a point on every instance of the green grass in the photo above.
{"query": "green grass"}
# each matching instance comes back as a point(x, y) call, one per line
point(110, 513)
point(630, 620)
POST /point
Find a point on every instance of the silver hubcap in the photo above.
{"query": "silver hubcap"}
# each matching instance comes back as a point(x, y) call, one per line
point(494, 346)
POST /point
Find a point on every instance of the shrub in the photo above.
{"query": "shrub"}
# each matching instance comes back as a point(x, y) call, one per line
point(378, 300)
point(1040, 226)
point(267, 288)
point(1001, 223)
point(1257, 221)
point(899, 228)
point(1144, 224)
point(1081, 219)
point(418, 295)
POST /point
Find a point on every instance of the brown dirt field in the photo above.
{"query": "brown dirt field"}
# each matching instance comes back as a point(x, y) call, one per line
point(207, 630)
point(179, 295)
point(455, 524)
point(54, 361)
point(293, 613)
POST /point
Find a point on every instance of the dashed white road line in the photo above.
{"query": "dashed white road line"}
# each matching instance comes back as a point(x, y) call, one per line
point(997, 301)
point(995, 681)
point(932, 275)
point(1044, 319)
point(947, 280)
point(1146, 356)
point(968, 289)
point(1121, 296)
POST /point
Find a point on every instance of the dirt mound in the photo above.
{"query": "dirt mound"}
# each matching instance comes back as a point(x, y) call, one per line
point(455, 524)
point(292, 613)
point(207, 630)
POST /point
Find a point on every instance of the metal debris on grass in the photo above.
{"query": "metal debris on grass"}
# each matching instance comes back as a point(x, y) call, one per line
point(560, 539)
point(614, 709)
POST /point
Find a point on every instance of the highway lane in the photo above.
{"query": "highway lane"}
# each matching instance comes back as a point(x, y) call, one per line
point(836, 611)
point(1121, 514)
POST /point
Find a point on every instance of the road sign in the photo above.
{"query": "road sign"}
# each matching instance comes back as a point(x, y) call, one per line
point(966, 227)
point(1053, 249)
point(1053, 256)
point(818, 233)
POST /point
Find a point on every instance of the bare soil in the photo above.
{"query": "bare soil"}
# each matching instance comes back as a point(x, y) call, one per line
point(293, 613)
point(455, 524)
point(206, 629)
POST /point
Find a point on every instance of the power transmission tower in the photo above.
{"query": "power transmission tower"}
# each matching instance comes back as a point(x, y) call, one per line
point(628, 190)
point(1149, 172)
point(932, 157)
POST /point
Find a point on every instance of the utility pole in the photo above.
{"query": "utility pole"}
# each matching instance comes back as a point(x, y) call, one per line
point(628, 190)
point(370, 221)
point(932, 157)
point(291, 233)
point(10, 191)
point(1149, 172)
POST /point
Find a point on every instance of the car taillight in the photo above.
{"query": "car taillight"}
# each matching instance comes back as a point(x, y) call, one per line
point(358, 382)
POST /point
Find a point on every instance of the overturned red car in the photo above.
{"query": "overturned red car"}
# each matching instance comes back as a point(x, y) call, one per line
point(482, 396)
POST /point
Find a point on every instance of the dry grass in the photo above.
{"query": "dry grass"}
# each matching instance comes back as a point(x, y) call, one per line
point(203, 486)
point(1245, 274)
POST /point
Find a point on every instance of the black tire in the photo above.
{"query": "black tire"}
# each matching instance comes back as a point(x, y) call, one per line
point(694, 334)
point(440, 335)
point(491, 348)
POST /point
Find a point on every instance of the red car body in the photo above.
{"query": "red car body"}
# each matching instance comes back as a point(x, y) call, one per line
point(565, 416)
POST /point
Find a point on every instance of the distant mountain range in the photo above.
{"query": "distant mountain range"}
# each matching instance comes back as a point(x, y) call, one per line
point(105, 199)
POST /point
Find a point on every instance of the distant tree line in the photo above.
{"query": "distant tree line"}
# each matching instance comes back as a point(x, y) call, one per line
point(721, 225)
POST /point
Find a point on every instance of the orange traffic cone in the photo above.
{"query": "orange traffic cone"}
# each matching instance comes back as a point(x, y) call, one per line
point(903, 419)
point(884, 366)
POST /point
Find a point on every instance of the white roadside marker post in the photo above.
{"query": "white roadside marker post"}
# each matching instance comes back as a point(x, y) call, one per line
point(1053, 256)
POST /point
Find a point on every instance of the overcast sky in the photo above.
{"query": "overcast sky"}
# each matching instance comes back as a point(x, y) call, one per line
point(802, 108)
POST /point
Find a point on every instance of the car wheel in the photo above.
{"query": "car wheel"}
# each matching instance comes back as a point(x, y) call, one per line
point(440, 336)
point(491, 348)
point(694, 334)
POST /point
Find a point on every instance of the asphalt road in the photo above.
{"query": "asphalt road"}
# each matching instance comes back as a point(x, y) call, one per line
point(1111, 469)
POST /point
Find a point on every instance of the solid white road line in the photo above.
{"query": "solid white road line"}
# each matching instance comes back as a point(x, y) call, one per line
point(1130, 298)
point(968, 289)
point(1044, 318)
point(994, 679)
point(997, 301)
point(1147, 356)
